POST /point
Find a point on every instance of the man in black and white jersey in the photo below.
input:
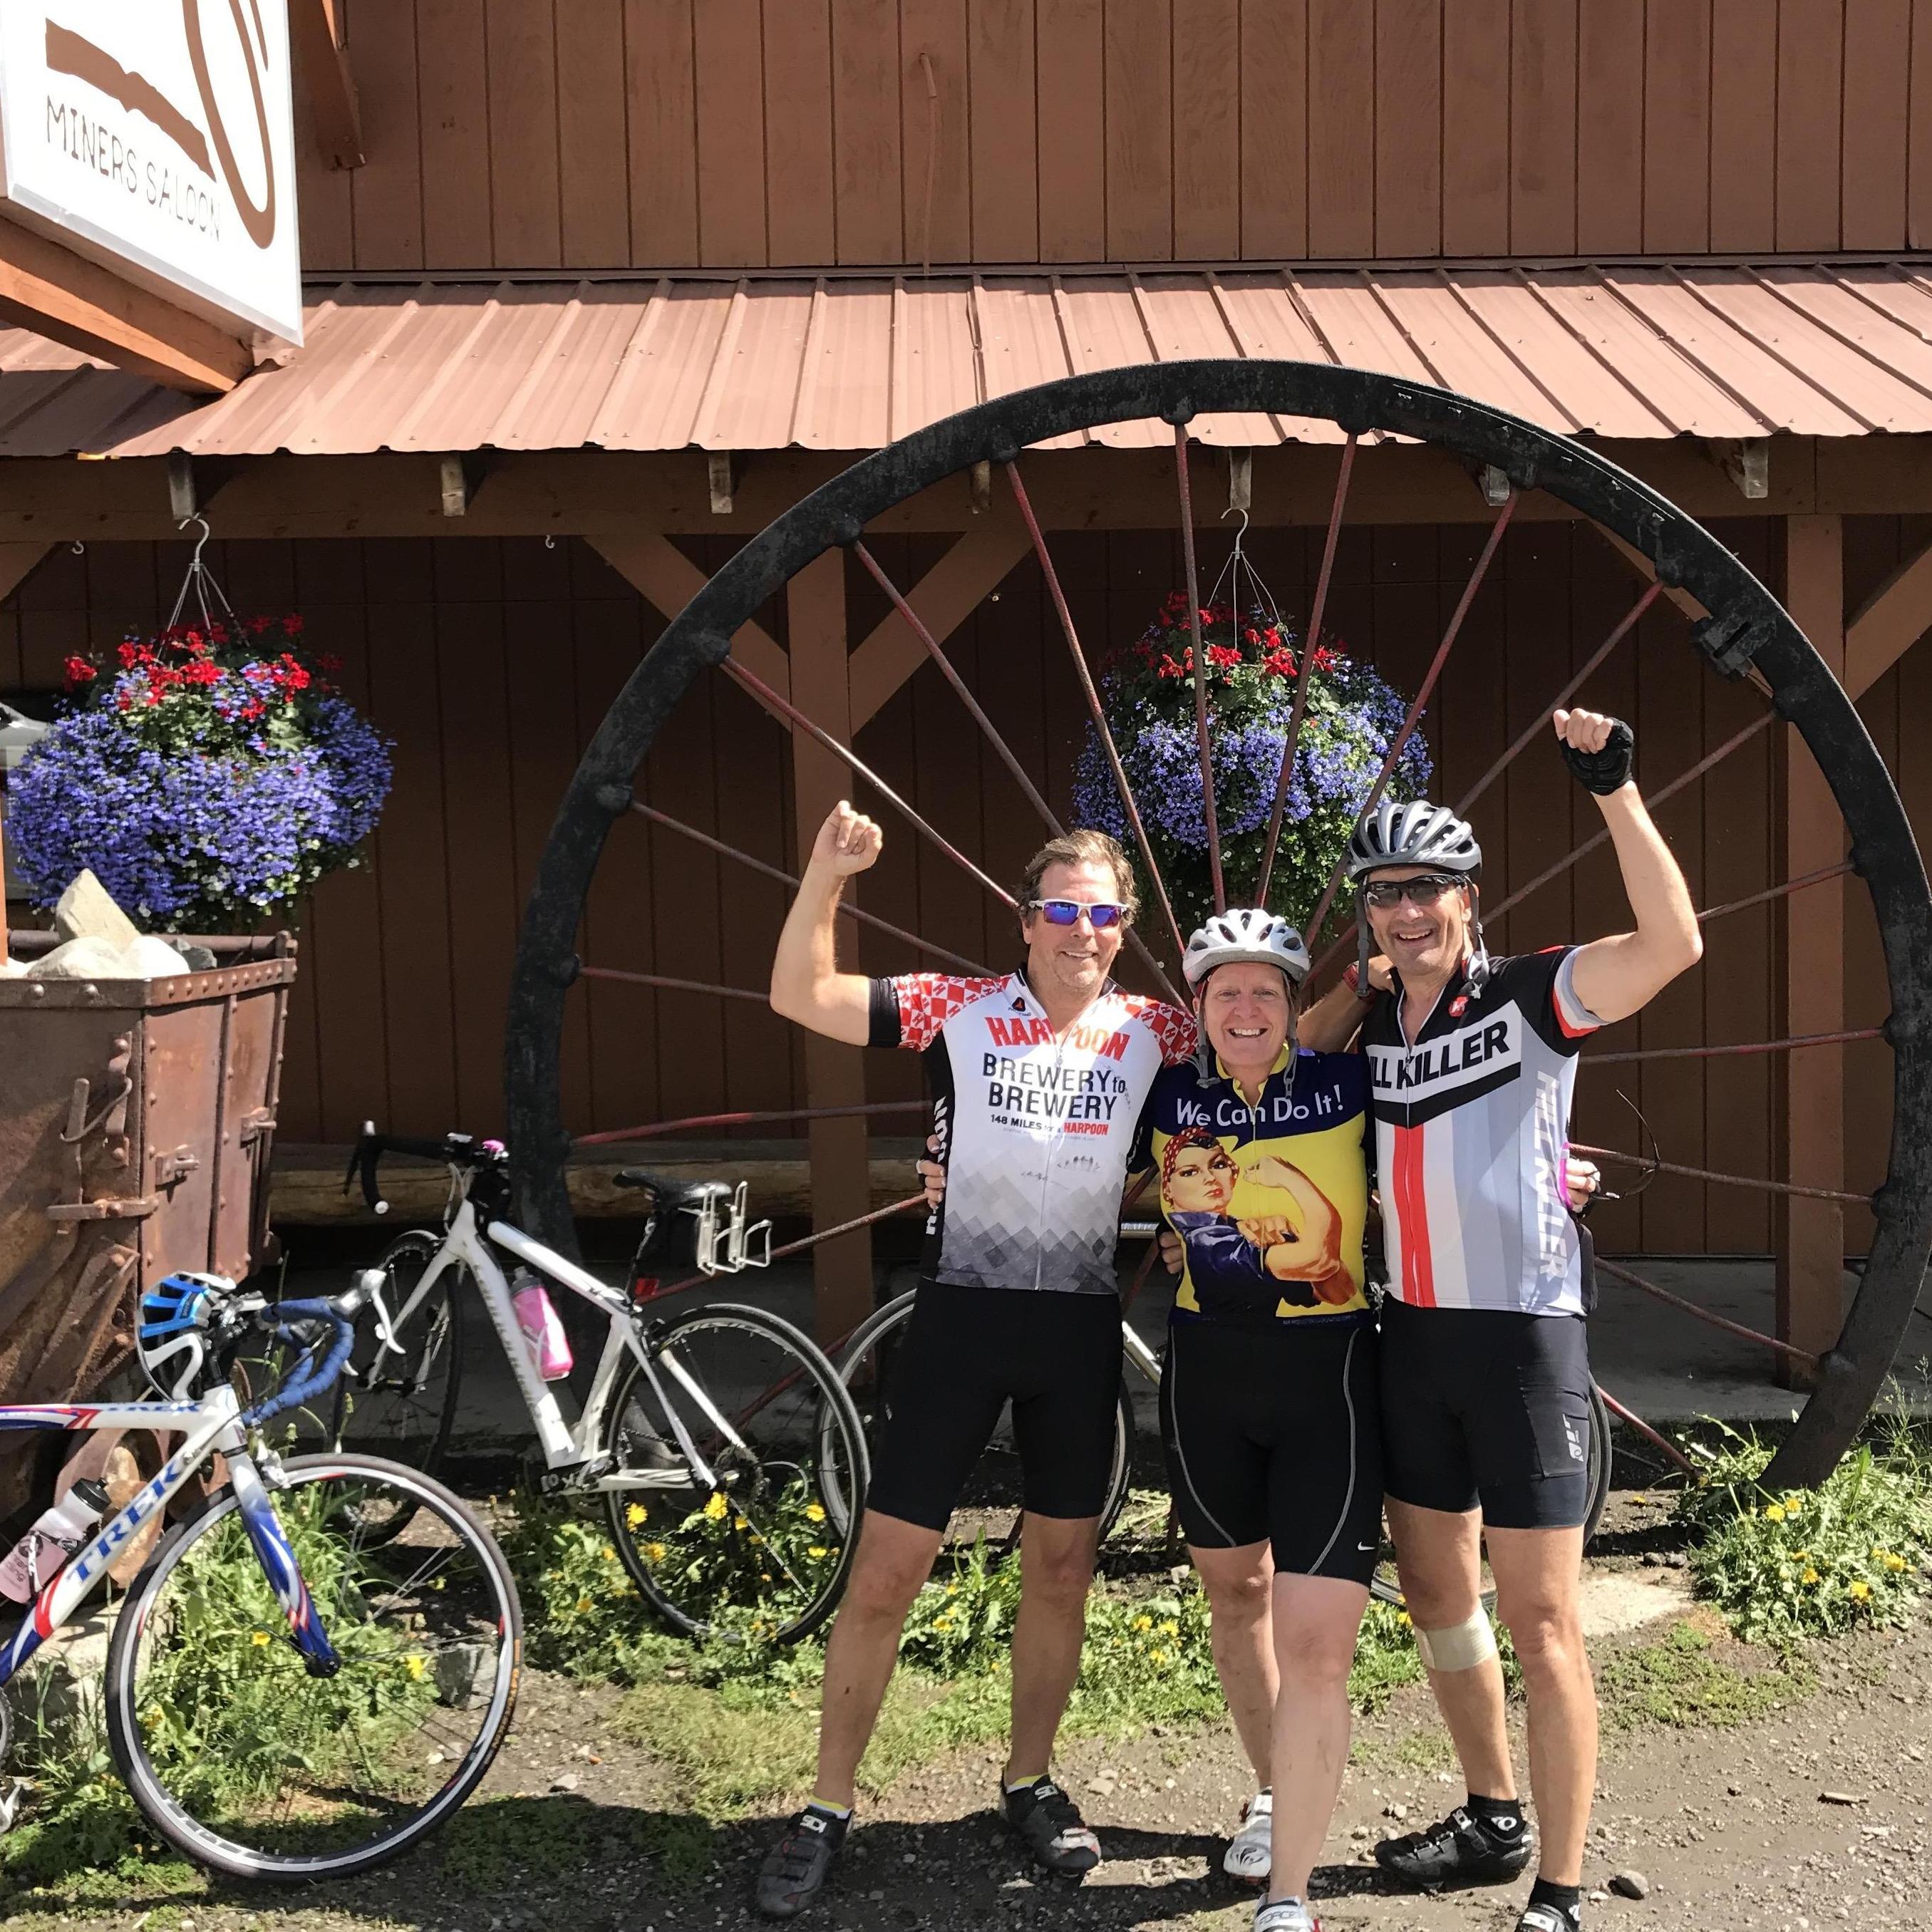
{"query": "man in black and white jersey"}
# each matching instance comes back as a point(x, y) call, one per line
point(1038, 1078)
point(1485, 1378)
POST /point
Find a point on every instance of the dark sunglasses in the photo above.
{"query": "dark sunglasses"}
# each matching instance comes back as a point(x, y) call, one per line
point(1102, 914)
point(1424, 891)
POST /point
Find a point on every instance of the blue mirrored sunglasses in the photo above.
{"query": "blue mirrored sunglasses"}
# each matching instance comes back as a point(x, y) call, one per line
point(1101, 914)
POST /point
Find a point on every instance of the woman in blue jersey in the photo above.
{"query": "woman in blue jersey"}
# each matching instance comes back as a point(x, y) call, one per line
point(1268, 1395)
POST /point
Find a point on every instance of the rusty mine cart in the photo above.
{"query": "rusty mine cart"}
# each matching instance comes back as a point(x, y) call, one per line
point(136, 1120)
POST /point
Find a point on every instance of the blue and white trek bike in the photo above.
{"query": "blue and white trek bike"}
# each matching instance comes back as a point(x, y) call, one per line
point(294, 1691)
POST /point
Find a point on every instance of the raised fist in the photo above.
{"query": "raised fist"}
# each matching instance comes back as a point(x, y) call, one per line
point(1600, 750)
point(848, 842)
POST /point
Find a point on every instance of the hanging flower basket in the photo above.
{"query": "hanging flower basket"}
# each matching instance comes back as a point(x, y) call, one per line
point(209, 778)
point(1353, 715)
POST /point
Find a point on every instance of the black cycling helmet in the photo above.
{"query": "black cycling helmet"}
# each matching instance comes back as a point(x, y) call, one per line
point(1418, 833)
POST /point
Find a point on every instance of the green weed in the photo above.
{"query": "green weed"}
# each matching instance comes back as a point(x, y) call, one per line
point(1678, 1683)
point(1858, 1550)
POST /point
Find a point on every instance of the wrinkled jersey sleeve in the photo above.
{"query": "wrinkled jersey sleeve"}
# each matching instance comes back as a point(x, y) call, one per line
point(909, 1008)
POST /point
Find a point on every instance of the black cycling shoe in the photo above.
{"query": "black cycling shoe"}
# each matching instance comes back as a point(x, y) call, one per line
point(1461, 1850)
point(795, 1869)
point(1048, 1823)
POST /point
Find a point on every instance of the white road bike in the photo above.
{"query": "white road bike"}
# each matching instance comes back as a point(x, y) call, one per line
point(728, 1454)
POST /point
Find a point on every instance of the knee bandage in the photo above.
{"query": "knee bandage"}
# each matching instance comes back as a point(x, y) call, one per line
point(1462, 1646)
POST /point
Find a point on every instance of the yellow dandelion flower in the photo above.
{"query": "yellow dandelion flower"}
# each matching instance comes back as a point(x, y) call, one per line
point(1143, 1623)
point(1859, 1592)
point(1157, 1656)
point(634, 1515)
point(584, 1606)
point(1895, 1563)
point(816, 1552)
point(942, 1623)
point(260, 1640)
point(415, 1665)
point(1810, 1576)
point(1402, 1617)
point(738, 1522)
point(1879, 1553)
point(654, 1552)
point(610, 1555)
point(1170, 1629)
point(714, 1507)
point(814, 1512)
point(1775, 1512)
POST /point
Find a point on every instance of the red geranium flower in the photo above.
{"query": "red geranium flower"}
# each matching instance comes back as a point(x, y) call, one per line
point(78, 672)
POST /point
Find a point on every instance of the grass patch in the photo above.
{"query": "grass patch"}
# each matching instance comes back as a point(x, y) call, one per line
point(1855, 1552)
point(1681, 1683)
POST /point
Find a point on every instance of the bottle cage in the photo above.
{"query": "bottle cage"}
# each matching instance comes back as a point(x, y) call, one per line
point(726, 1242)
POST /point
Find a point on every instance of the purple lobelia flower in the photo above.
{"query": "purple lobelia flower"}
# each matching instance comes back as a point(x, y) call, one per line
point(208, 783)
point(1353, 717)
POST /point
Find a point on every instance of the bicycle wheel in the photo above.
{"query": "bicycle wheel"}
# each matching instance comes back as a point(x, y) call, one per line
point(759, 1552)
point(1384, 1583)
point(992, 1505)
point(242, 1757)
point(399, 1399)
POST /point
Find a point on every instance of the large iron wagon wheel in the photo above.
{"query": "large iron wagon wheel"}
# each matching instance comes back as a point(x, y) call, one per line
point(1747, 633)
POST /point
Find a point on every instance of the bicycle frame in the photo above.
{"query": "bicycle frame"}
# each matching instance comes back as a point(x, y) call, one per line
point(564, 1447)
point(211, 1427)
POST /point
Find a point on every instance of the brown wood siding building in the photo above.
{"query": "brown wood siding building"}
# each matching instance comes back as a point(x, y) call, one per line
point(599, 134)
point(491, 661)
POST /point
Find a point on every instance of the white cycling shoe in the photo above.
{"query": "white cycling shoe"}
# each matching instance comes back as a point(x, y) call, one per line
point(1249, 1853)
point(1286, 1915)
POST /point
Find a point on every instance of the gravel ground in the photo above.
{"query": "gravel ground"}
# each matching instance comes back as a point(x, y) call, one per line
point(1814, 1815)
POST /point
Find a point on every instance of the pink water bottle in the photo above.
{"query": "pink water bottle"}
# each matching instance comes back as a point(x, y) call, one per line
point(542, 1327)
point(56, 1535)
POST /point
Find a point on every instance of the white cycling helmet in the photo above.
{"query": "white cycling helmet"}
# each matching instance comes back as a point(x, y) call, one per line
point(1246, 933)
point(1418, 833)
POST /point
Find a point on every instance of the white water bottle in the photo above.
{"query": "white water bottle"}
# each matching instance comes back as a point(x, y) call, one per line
point(56, 1535)
point(542, 1327)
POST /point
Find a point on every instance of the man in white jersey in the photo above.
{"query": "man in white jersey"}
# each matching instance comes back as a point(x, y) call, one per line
point(1485, 1377)
point(1038, 1078)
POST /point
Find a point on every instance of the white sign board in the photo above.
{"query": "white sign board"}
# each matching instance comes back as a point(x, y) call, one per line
point(158, 135)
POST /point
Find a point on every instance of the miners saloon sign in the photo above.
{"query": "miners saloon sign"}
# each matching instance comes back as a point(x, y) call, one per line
point(156, 136)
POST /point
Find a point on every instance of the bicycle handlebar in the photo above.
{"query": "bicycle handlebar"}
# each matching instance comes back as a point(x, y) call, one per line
point(282, 1321)
point(366, 1157)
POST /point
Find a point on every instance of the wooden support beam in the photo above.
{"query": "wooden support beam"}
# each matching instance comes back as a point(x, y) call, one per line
point(16, 561)
point(57, 293)
point(1893, 618)
point(721, 472)
point(1810, 1086)
point(945, 597)
point(835, 1073)
point(321, 54)
point(669, 579)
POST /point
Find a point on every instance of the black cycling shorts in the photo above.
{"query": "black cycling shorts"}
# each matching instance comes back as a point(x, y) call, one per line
point(966, 1353)
point(1487, 1408)
point(1273, 1433)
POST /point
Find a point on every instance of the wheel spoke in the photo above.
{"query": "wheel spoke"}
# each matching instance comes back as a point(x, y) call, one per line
point(1706, 1314)
point(1422, 695)
point(1643, 1428)
point(1310, 637)
point(1094, 707)
point(1202, 738)
point(1536, 726)
point(1653, 1166)
point(759, 689)
point(1050, 818)
point(1656, 798)
point(1749, 1046)
point(669, 984)
point(846, 908)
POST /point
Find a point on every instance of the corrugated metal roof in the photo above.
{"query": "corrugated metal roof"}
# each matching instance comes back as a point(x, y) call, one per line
point(776, 362)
